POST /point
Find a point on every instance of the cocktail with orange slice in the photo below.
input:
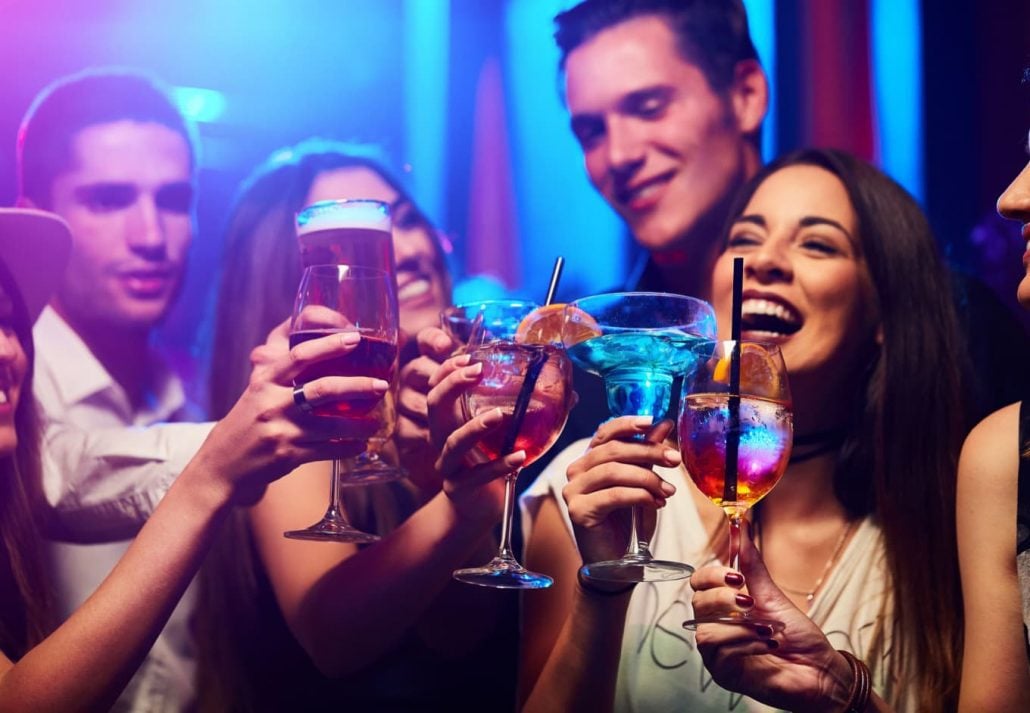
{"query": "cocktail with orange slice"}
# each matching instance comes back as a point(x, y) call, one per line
point(638, 342)
point(527, 375)
point(735, 439)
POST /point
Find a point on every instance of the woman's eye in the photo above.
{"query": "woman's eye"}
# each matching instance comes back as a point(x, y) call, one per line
point(742, 240)
point(824, 247)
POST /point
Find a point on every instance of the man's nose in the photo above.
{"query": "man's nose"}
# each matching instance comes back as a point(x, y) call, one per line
point(146, 232)
point(1014, 203)
point(625, 147)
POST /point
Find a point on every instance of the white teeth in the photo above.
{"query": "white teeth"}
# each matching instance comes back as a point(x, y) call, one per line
point(413, 289)
point(773, 309)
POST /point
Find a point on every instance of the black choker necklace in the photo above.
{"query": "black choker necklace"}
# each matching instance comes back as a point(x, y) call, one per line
point(822, 442)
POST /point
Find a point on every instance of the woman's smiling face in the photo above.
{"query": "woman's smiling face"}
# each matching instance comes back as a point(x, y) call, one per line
point(422, 286)
point(806, 284)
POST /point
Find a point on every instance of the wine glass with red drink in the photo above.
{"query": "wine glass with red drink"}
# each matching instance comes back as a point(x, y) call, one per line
point(354, 231)
point(532, 386)
point(348, 298)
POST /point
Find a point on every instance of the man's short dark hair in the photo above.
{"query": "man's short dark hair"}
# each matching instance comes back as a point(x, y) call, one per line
point(712, 34)
point(88, 98)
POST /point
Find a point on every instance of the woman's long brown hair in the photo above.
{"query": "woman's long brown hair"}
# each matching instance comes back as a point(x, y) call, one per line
point(249, 660)
point(899, 460)
point(26, 601)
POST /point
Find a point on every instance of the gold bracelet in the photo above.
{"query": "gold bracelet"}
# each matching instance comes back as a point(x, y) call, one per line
point(861, 683)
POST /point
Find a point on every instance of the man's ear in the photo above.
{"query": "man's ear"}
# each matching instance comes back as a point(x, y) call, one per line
point(749, 95)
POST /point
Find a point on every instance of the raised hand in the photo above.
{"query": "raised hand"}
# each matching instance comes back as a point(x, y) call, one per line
point(474, 486)
point(411, 436)
point(614, 475)
point(796, 668)
point(266, 434)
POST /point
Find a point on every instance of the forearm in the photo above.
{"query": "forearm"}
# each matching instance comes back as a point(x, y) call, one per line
point(87, 661)
point(581, 671)
point(363, 607)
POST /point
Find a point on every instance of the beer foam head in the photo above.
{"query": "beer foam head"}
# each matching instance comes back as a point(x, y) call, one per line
point(329, 215)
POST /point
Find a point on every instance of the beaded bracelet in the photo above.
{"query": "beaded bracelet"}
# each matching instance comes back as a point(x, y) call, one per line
point(587, 586)
point(861, 684)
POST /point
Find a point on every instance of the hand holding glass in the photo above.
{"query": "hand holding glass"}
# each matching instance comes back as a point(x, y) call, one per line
point(736, 445)
point(343, 298)
point(638, 342)
point(532, 386)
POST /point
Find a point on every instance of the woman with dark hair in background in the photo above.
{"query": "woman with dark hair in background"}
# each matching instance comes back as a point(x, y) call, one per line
point(84, 663)
point(994, 533)
point(857, 540)
point(289, 624)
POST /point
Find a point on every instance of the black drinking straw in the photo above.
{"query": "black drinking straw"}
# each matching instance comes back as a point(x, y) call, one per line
point(536, 364)
point(729, 493)
point(559, 263)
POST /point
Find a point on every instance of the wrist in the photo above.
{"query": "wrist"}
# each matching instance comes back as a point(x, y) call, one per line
point(860, 689)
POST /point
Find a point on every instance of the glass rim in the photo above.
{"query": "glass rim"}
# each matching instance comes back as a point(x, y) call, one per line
point(767, 345)
point(450, 309)
point(631, 293)
point(305, 214)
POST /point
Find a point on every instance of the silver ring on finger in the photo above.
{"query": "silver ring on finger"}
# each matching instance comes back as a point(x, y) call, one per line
point(301, 400)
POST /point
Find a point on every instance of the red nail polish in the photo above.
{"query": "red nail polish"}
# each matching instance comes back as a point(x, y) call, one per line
point(734, 579)
point(772, 643)
point(744, 601)
point(764, 630)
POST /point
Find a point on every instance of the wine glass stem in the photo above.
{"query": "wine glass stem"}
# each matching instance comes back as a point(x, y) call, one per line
point(638, 545)
point(735, 541)
point(504, 552)
point(335, 509)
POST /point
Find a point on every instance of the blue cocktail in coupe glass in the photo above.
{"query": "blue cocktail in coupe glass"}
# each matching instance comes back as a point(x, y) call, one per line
point(644, 341)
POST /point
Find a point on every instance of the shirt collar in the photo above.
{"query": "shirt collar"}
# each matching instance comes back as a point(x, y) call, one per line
point(78, 375)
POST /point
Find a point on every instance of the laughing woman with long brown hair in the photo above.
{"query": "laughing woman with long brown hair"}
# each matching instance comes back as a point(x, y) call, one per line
point(857, 540)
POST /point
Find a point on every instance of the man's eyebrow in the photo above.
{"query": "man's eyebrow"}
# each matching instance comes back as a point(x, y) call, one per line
point(105, 184)
point(631, 99)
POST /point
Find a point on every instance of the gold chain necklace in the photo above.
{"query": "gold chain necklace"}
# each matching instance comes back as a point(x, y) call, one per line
point(809, 594)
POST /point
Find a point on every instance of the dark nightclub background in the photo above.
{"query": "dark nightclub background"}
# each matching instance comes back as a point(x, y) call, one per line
point(463, 94)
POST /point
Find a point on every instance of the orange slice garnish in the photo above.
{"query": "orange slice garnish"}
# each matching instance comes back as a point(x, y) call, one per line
point(547, 325)
point(758, 373)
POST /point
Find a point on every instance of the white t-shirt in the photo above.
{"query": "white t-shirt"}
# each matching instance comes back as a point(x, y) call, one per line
point(660, 668)
point(105, 468)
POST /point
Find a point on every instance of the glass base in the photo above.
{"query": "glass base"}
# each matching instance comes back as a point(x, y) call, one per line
point(741, 619)
point(365, 469)
point(327, 530)
point(636, 569)
point(503, 574)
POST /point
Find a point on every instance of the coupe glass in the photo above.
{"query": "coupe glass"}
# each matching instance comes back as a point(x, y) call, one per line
point(736, 442)
point(644, 340)
point(532, 385)
point(344, 298)
point(498, 317)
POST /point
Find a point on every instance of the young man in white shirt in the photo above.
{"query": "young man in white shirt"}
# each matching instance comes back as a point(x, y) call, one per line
point(110, 153)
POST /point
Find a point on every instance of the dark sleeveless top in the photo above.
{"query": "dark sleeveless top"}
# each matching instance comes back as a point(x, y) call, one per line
point(1023, 518)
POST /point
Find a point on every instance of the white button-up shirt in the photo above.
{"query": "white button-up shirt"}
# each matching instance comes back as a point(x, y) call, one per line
point(105, 467)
